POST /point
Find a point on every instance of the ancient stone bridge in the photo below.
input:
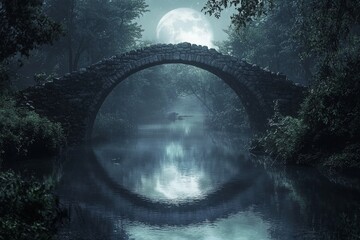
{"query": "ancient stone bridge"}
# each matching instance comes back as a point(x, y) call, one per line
point(75, 99)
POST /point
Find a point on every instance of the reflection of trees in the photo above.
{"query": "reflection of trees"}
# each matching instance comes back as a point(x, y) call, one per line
point(140, 164)
point(296, 201)
point(85, 224)
point(330, 210)
point(94, 188)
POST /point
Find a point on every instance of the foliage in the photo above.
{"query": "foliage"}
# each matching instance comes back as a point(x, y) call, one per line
point(296, 36)
point(284, 139)
point(267, 44)
point(325, 22)
point(196, 82)
point(333, 102)
point(246, 10)
point(41, 78)
point(94, 29)
point(316, 40)
point(327, 129)
point(95, 227)
point(346, 158)
point(142, 97)
point(324, 27)
point(332, 109)
point(28, 208)
point(231, 118)
point(111, 125)
point(24, 27)
point(24, 133)
point(4, 78)
point(224, 108)
point(271, 42)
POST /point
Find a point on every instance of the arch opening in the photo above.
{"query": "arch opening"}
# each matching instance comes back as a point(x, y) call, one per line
point(176, 146)
point(224, 67)
point(167, 93)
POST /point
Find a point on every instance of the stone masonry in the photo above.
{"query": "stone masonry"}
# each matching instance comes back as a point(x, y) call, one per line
point(74, 99)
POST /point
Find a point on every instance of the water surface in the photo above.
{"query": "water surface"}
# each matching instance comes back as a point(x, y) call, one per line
point(178, 180)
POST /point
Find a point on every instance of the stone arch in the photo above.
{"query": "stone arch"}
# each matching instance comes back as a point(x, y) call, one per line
point(75, 99)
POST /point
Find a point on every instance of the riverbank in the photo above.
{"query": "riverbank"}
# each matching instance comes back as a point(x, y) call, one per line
point(29, 209)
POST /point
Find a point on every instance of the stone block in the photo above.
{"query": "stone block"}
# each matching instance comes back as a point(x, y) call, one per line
point(176, 55)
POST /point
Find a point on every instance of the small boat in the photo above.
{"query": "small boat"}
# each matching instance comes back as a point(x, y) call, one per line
point(173, 116)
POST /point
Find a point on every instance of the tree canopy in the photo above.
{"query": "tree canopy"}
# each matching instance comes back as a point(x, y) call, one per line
point(294, 36)
point(246, 10)
point(24, 26)
point(94, 29)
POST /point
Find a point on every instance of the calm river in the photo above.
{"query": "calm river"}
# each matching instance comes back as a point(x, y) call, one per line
point(176, 180)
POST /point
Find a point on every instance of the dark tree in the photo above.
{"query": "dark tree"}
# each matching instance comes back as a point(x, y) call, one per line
point(246, 10)
point(321, 25)
point(94, 29)
point(272, 42)
point(24, 26)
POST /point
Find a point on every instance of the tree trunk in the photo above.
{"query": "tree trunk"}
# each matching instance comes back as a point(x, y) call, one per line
point(307, 70)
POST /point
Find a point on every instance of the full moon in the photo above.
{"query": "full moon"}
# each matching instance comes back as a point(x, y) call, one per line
point(184, 25)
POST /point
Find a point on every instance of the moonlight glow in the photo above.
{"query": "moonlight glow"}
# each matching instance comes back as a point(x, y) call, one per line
point(184, 25)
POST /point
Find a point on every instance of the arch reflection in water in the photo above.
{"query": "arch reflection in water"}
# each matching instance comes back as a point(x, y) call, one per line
point(171, 167)
point(254, 204)
point(174, 182)
point(241, 226)
point(172, 162)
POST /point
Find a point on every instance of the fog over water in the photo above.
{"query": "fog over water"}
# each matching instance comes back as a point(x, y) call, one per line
point(178, 180)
